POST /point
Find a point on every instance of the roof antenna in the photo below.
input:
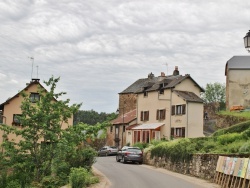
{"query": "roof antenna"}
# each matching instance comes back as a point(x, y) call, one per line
point(37, 71)
point(167, 67)
point(32, 61)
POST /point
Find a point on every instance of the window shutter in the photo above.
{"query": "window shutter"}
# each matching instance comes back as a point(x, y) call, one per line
point(164, 114)
point(173, 110)
point(183, 132)
point(147, 112)
point(157, 114)
point(141, 115)
point(183, 109)
point(172, 131)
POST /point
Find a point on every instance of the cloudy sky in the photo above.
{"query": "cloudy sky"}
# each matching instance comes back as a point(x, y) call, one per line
point(100, 47)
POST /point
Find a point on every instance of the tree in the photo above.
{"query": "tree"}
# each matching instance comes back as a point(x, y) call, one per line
point(44, 144)
point(215, 92)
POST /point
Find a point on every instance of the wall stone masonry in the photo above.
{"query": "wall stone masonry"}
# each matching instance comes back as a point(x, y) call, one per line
point(201, 165)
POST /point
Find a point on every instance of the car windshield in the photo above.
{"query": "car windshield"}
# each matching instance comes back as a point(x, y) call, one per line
point(113, 147)
point(135, 150)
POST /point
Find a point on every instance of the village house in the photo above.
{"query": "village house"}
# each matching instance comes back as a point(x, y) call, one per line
point(10, 109)
point(237, 72)
point(167, 107)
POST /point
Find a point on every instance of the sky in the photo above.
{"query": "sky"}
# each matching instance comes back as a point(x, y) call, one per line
point(100, 47)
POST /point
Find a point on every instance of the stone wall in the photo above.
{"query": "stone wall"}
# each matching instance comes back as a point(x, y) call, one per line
point(201, 165)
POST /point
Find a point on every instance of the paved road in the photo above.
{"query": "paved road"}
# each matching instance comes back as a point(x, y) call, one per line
point(144, 176)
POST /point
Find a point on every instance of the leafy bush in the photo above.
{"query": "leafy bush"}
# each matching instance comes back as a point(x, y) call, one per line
point(140, 145)
point(13, 184)
point(229, 138)
point(84, 157)
point(245, 148)
point(176, 150)
point(50, 182)
point(238, 128)
point(79, 177)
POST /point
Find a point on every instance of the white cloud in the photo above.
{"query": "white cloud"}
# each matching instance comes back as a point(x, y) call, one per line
point(99, 48)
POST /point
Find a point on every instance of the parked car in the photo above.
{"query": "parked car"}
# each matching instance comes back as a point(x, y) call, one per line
point(108, 150)
point(130, 154)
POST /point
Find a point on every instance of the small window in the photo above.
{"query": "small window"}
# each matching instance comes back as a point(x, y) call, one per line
point(16, 119)
point(34, 97)
point(111, 129)
point(161, 90)
point(178, 132)
point(124, 128)
point(144, 115)
point(160, 114)
point(179, 109)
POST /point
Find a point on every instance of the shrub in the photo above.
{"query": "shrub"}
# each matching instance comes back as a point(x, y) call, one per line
point(140, 145)
point(79, 177)
point(229, 138)
point(13, 184)
point(84, 157)
point(245, 148)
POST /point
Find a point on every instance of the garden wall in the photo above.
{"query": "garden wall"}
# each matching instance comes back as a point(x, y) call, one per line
point(201, 165)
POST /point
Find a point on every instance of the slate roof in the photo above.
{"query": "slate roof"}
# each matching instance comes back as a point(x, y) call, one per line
point(189, 96)
point(238, 63)
point(153, 84)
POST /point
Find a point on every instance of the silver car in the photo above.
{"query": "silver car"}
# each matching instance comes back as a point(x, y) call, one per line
point(107, 150)
point(130, 154)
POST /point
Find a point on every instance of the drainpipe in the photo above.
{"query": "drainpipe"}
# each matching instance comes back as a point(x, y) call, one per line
point(187, 120)
point(170, 113)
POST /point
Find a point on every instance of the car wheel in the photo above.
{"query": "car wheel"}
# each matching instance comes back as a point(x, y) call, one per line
point(117, 159)
point(123, 160)
point(140, 163)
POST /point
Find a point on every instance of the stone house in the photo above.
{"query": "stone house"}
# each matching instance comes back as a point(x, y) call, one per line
point(166, 107)
point(237, 71)
point(10, 109)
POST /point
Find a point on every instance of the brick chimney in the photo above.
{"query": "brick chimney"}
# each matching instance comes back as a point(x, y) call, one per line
point(162, 74)
point(176, 71)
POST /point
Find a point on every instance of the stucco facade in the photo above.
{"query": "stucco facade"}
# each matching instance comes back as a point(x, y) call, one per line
point(12, 107)
point(237, 73)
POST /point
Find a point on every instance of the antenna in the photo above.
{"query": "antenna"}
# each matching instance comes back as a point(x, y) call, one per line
point(167, 67)
point(32, 61)
point(37, 71)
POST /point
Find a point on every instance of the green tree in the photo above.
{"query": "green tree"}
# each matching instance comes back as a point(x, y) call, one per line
point(44, 144)
point(91, 117)
point(215, 92)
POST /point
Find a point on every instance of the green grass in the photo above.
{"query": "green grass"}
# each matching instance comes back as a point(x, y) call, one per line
point(240, 114)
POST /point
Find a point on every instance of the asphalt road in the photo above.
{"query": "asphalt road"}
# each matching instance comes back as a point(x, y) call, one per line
point(143, 176)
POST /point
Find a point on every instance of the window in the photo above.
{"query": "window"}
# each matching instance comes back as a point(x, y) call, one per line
point(123, 129)
point(16, 119)
point(160, 114)
point(144, 115)
point(34, 97)
point(116, 131)
point(111, 129)
point(156, 135)
point(179, 109)
point(161, 90)
point(145, 93)
point(178, 132)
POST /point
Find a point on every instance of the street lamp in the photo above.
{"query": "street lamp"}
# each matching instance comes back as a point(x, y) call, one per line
point(247, 41)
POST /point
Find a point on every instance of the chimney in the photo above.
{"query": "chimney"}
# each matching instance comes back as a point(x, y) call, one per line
point(162, 74)
point(176, 71)
point(151, 75)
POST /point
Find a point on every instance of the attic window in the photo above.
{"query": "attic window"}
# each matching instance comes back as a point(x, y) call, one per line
point(161, 91)
point(34, 97)
point(16, 119)
point(145, 93)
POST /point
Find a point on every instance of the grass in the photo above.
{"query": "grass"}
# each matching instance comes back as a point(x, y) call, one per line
point(240, 114)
